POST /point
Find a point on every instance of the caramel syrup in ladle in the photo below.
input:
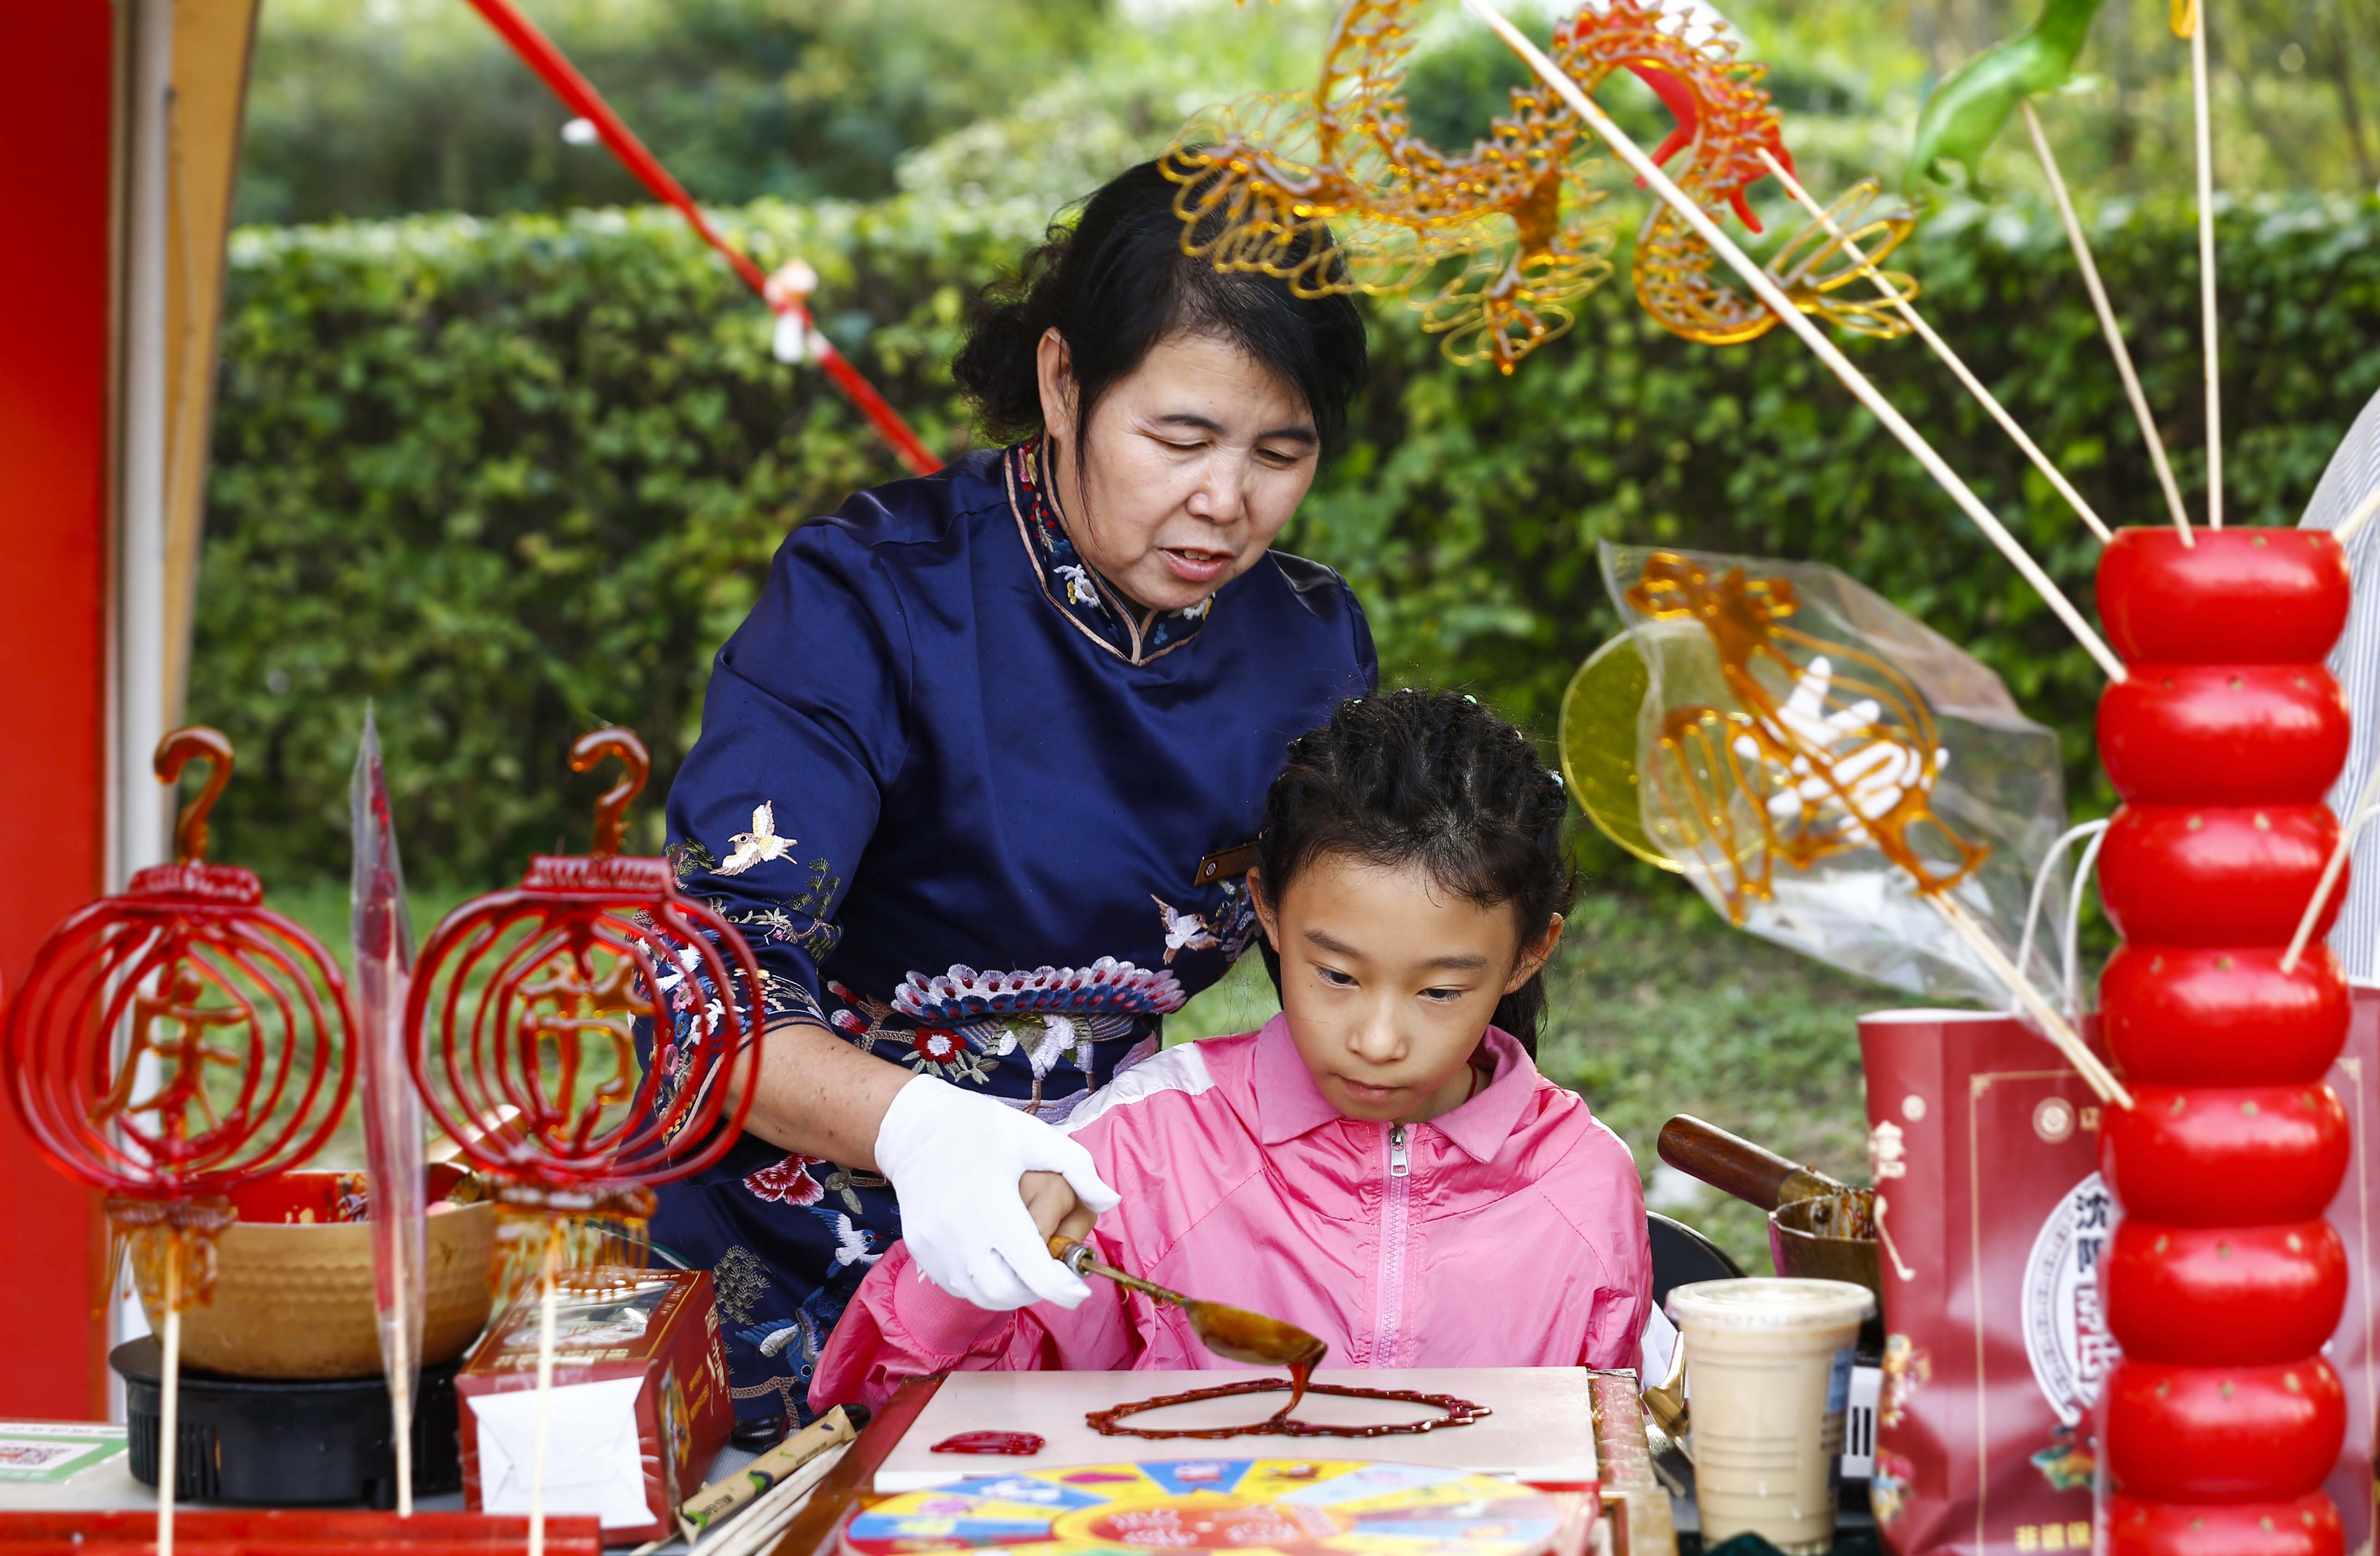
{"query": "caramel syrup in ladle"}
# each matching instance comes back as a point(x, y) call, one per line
point(1241, 1335)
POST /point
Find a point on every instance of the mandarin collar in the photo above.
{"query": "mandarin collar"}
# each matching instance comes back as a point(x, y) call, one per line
point(1077, 589)
point(1290, 1105)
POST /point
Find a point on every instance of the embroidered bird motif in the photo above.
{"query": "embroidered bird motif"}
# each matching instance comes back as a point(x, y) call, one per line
point(759, 844)
point(774, 1342)
point(852, 1245)
point(1183, 932)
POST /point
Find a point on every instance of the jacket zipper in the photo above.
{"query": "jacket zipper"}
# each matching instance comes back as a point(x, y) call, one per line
point(1395, 1202)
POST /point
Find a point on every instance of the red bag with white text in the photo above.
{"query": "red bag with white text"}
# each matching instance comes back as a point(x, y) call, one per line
point(1984, 1148)
point(2356, 1212)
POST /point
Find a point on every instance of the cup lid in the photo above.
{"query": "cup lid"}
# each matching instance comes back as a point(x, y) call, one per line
point(1771, 1302)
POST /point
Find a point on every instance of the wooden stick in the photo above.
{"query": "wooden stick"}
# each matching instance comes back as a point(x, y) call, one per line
point(2053, 1025)
point(544, 1393)
point(2350, 826)
point(1791, 317)
point(401, 1409)
point(2107, 325)
point(2206, 264)
point(1925, 332)
point(2362, 514)
point(400, 1381)
point(169, 1390)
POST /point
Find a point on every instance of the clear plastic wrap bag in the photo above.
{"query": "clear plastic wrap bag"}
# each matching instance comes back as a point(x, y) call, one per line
point(1820, 764)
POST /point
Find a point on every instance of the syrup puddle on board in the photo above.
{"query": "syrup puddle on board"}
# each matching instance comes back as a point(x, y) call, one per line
point(1453, 1412)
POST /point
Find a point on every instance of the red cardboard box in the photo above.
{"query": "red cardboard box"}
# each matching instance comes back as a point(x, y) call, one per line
point(639, 1406)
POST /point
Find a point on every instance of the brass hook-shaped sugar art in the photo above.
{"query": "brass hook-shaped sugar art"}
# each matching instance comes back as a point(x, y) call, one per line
point(612, 809)
point(175, 753)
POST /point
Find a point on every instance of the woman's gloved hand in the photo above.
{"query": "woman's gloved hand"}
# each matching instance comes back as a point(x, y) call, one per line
point(956, 1158)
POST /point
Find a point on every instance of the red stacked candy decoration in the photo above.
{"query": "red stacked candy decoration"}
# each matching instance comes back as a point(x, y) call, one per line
point(2224, 1280)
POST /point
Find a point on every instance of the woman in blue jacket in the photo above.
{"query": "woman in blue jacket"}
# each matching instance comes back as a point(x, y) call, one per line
point(974, 774)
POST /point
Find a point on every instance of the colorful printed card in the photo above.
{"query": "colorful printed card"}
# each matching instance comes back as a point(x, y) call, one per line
point(48, 1451)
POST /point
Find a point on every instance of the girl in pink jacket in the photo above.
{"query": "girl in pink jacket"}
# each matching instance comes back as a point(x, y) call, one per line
point(1381, 1164)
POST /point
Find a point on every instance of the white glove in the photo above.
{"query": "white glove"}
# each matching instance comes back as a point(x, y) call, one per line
point(954, 1158)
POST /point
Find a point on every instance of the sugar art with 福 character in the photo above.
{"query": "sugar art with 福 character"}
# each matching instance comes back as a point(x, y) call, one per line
point(823, 1184)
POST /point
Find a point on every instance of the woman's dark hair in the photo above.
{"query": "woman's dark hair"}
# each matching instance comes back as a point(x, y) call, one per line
point(1434, 779)
point(1116, 284)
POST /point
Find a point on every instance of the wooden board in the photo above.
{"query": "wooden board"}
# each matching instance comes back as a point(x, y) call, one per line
point(1543, 1428)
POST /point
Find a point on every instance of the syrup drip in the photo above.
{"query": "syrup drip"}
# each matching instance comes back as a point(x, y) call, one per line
point(1458, 1412)
point(1022, 1444)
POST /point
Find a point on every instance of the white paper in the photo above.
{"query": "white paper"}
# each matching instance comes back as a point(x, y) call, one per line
point(592, 1460)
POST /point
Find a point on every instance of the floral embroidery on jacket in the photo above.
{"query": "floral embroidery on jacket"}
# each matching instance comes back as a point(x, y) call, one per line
point(935, 1051)
point(789, 1182)
point(1107, 986)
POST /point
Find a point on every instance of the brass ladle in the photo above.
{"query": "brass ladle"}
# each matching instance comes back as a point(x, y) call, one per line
point(1232, 1332)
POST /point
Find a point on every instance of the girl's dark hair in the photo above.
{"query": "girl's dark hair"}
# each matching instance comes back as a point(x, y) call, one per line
point(1429, 778)
point(1116, 284)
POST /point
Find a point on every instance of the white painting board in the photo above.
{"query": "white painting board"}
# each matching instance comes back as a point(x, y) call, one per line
point(1542, 1429)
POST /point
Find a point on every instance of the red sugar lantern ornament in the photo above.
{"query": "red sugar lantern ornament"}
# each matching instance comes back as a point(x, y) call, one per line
point(173, 1044)
point(520, 1029)
point(521, 1032)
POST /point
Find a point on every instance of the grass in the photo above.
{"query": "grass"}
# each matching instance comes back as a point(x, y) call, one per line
point(1656, 1009)
point(1659, 1009)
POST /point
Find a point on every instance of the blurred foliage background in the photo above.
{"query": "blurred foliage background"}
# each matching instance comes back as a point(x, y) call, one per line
point(503, 450)
point(370, 108)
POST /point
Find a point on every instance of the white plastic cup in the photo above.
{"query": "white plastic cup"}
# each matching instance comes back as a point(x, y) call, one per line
point(1768, 1370)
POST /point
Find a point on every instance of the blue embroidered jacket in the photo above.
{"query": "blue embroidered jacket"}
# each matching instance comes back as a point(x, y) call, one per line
point(954, 788)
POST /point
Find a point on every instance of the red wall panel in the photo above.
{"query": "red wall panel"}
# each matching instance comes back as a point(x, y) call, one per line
point(55, 88)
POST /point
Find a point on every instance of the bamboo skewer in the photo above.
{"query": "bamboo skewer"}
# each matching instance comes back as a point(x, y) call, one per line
point(2197, 14)
point(2351, 824)
point(2107, 325)
point(1791, 317)
point(169, 1392)
point(544, 1393)
point(2362, 515)
point(2053, 1025)
point(1941, 347)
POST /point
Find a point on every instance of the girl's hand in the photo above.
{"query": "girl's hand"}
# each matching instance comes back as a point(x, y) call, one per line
point(1054, 1207)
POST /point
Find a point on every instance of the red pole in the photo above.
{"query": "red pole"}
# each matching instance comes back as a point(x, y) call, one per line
point(538, 52)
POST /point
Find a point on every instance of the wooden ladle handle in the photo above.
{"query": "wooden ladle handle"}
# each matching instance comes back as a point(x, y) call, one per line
point(612, 808)
point(175, 753)
point(1729, 1161)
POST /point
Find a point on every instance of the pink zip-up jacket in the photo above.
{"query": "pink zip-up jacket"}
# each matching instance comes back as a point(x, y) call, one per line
point(1507, 1232)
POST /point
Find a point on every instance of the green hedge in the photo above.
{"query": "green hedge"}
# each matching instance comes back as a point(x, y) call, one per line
point(512, 478)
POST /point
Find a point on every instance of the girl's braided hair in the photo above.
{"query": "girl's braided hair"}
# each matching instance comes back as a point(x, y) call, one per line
point(1429, 778)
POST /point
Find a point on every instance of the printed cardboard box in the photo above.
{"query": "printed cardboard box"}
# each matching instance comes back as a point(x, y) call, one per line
point(639, 1406)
